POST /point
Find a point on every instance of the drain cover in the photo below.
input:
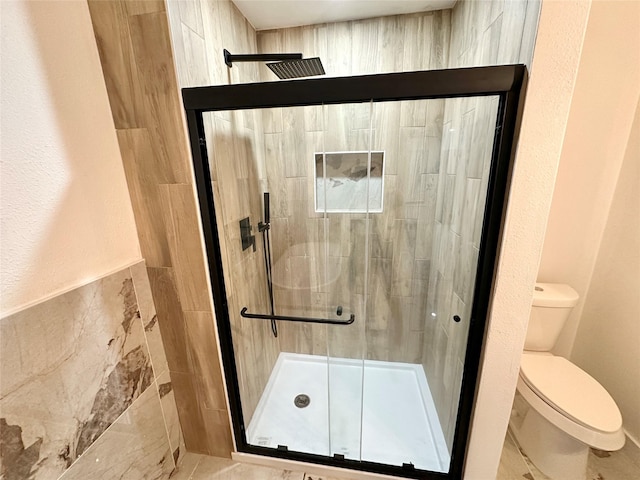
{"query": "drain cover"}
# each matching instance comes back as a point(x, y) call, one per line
point(302, 400)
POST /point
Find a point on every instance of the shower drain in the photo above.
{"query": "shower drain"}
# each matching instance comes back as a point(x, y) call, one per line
point(302, 400)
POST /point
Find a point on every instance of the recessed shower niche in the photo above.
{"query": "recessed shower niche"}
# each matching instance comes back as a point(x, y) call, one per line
point(349, 182)
point(351, 336)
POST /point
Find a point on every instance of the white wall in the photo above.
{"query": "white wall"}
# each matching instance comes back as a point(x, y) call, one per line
point(602, 110)
point(607, 342)
point(66, 216)
point(551, 85)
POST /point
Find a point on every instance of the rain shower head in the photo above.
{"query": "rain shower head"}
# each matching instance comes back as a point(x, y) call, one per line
point(306, 67)
point(286, 65)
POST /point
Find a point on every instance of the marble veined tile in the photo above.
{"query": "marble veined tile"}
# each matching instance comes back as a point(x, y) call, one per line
point(149, 318)
point(170, 412)
point(134, 447)
point(69, 368)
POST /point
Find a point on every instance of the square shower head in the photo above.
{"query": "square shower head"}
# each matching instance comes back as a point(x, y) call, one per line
point(306, 67)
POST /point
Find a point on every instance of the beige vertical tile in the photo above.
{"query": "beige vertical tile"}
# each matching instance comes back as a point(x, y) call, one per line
point(191, 15)
point(390, 44)
point(415, 55)
point(440, 40)
point(364, 47)
point(152, 54)
point(210, 12)
point(272, 120)
point(294, 141)
point(386, 118)
point(170, 317)
point(510, 38)
point(529, 31)
point(111, 30)
point(191, 419)
point(426, 217)
point(149, 318)
point(138, 158)
point(202, 350)
point(412, 156)
point(339, 37)
point(170, 414)
point(218, 431)
point(195, 58)
point(181, 220)
point(490, 43)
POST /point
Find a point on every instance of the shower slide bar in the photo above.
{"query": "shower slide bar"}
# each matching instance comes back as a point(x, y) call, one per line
point(329, 321)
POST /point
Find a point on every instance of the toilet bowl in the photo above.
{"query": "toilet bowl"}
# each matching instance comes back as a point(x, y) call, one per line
point(560, 411)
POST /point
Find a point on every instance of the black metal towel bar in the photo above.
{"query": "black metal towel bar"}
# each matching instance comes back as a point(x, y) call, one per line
point(352, 318)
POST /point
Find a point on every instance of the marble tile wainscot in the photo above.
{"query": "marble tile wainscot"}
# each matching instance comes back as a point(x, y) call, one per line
point(78, 383)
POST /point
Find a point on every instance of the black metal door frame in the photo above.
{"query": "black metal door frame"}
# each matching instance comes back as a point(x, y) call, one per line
point(508, 82)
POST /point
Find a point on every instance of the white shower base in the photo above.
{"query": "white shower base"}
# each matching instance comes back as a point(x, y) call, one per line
point(397, 414)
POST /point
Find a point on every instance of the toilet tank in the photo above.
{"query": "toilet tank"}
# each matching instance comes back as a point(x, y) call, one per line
point(551, 306)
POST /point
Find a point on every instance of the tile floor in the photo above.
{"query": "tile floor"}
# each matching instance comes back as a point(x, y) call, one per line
point(621, 465)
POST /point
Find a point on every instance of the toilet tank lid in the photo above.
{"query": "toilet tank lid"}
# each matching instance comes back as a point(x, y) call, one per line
point(554, 295)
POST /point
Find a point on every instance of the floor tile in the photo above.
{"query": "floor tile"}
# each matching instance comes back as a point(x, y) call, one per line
point(213, 468)
point(618, 465)
point(187, 465)
point(512, 465)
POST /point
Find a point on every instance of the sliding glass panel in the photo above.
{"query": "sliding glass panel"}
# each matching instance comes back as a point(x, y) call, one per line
point(350, 236)
point(344, 193)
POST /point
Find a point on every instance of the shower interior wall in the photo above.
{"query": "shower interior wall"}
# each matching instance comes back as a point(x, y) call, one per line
point(400, 237)
point(271, 150)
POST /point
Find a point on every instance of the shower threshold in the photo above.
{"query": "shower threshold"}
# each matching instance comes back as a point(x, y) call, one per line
point(393, 421)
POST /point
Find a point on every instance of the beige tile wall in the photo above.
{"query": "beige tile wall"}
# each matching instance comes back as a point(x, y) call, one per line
point(135, 51)
point(482, 33)
point(199, 32)
point(312, 280)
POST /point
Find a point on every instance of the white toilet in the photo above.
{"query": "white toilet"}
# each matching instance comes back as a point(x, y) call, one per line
point(560, 411)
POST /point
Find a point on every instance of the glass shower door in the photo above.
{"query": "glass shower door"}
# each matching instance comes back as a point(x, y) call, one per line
point(351, 236)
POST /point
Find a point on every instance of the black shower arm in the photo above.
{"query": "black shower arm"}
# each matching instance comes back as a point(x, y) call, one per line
point(229, 58)
point(329, 321)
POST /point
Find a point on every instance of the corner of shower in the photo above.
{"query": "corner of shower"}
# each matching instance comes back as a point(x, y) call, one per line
point(352, 329)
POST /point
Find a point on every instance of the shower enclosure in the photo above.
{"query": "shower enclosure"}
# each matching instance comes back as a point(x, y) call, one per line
point(351, 335)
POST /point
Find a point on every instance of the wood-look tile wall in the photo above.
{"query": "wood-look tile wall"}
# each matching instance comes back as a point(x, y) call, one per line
point(135, 51)
point(313, 281)
point(235, 145)
point(482, 33)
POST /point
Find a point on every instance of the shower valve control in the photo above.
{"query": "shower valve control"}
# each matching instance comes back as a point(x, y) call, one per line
point(248, 240)
point(339, 311)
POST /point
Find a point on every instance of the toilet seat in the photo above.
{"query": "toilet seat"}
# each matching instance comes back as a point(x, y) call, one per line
point(571, 399)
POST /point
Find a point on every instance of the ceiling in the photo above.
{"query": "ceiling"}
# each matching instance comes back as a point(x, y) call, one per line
point(269, 14)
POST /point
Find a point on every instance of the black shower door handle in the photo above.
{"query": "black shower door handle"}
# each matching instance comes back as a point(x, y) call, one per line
point(329, 321)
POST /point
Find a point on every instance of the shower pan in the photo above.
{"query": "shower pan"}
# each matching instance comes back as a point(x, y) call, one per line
point(351, 334)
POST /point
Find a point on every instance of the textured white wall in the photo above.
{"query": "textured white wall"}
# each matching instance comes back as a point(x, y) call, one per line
point(66, 216)
point(606, 344)
point(551, 85)
point(602, 110)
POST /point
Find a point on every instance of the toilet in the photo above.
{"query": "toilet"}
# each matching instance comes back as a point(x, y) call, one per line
point(559, 411)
